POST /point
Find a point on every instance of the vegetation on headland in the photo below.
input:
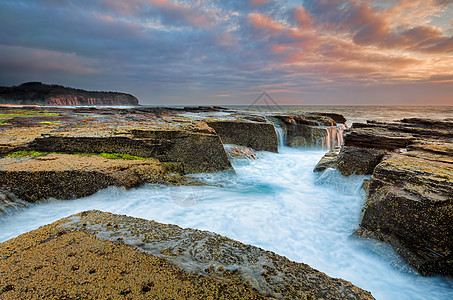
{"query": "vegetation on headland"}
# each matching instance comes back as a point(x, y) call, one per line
point(37, 93)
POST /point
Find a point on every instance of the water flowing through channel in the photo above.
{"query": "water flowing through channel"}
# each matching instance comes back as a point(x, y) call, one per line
point(275, 202)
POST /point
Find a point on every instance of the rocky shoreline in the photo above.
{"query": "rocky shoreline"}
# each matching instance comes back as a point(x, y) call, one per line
point(409, 202)
point(69, 153)
point(153, 259)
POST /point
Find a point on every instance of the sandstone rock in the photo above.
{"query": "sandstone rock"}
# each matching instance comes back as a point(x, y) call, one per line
point(63, 264)
point(410, 205)
point(256, 135)
point(358, 161)
point(235, 151)
point(410, 193)
point(338, 118)
point(377, 138)
point(329, 160)
point(66, 176)
point(197, 152)
point(68, 247)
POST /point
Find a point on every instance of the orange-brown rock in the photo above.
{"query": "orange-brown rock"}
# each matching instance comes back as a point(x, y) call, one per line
point(99, 255)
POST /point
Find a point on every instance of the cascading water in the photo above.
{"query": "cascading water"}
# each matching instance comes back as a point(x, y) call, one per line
point(334, 136)
point(10, 204)
point(281, 135)
point(275, 202)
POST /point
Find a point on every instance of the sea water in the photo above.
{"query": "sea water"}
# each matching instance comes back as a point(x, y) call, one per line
point(275, 202)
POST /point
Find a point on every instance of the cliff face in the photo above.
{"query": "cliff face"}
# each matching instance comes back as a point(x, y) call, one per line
point(43, 94)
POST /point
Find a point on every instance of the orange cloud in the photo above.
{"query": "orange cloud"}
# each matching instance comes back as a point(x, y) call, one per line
point(260, 21)
point(279, 48)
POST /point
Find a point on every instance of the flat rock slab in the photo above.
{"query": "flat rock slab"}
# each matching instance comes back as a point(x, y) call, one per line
point(80, 245)
point(51, 263)
point(66, 176)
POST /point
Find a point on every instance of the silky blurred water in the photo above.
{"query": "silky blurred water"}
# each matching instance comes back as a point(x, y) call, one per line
point(274, 202)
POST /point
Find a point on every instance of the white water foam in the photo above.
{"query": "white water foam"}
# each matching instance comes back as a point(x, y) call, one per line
point(274, 202)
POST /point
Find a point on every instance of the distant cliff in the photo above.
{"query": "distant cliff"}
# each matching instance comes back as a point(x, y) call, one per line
point(43, 94)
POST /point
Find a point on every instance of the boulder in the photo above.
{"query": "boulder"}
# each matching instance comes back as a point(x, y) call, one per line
point(119, 255)
point(410, 205)
point(257, 135)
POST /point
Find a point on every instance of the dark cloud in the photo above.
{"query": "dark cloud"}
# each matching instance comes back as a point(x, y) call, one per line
point(166, 50)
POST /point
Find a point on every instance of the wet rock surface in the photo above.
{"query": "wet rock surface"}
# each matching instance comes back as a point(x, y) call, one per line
point(193, 260)
point(410, 205)
point(235, 151)
point(358, 161)
point(65, 176)
point(409, 201)
point(53, 263)
point(260, 136)
point(185, 141)
point(329, 160)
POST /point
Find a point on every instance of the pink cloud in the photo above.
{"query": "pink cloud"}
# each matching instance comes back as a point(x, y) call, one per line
point(263, 22)
point(302, 17)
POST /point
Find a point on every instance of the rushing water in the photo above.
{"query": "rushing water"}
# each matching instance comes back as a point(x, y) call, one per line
point(275, 202)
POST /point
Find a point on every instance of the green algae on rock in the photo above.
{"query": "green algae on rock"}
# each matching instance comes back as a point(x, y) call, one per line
point(66, 176)
point(410, 205)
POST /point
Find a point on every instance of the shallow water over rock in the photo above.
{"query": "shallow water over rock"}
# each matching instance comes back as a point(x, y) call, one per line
point(275, 202)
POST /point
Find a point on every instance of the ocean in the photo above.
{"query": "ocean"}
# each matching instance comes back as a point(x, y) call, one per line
point(275, 202)
point(361, 114)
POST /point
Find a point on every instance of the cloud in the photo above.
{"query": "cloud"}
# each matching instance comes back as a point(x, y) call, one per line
point(402, 26)
point(180, 49)
point(258, 2)
point(17, 57)
point(265, 23)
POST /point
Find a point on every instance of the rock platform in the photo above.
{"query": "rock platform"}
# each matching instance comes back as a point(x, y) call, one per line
point(409, 201)
point(98, 254)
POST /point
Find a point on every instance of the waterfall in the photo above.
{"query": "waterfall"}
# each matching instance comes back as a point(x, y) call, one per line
point(8, 202)
point(334, 136)
point(281, 135)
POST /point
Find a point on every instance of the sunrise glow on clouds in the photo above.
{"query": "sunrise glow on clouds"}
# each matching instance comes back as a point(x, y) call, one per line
point(227, 52)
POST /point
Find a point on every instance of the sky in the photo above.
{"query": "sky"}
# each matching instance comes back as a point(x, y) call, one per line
point(307, 52)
